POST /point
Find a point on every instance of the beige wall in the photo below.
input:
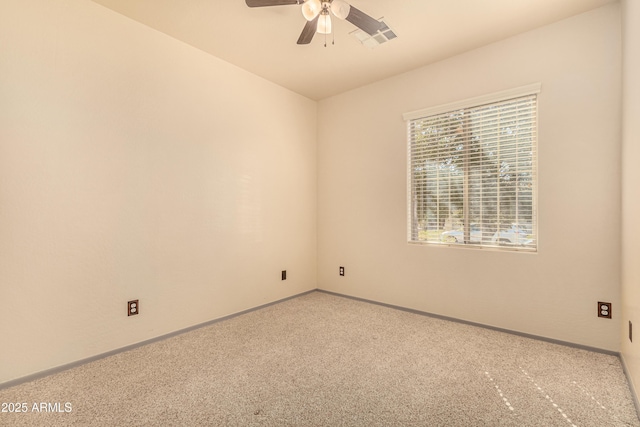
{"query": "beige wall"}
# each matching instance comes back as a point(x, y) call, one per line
point(631, 188)
point(134, 166)
point(362, 211)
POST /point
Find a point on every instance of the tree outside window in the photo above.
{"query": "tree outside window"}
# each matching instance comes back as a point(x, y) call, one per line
point(473, 175)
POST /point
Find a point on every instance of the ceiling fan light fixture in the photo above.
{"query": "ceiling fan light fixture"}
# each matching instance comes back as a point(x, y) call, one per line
point(324, 24)
point(340, 9)
point(311, 9)
point(318, 15)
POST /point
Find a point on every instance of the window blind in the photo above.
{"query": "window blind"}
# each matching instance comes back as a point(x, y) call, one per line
point(472, 175)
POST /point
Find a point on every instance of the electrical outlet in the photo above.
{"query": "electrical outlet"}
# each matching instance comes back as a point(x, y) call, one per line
point(284, 274)
point(604, 309)
point(342, 271)
point(630, 331)
point(133, 307)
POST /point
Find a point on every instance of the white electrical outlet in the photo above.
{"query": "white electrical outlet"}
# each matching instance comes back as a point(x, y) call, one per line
point(133, 308)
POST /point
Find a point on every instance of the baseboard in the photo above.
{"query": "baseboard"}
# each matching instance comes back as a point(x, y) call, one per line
point(71, 365)
point(480, 325)
point(632, 387)
point(61, 368)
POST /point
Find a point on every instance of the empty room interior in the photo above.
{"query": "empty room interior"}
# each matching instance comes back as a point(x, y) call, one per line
point(166, 165)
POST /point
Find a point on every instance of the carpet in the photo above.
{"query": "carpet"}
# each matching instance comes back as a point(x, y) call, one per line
point(325, 360)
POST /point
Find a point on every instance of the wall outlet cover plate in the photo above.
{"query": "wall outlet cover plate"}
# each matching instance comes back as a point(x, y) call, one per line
point(133, 307)
point(604, 309)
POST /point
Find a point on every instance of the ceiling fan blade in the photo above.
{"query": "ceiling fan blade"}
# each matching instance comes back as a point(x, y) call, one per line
point(363, 21)
point(308, 31)
point(262, 3)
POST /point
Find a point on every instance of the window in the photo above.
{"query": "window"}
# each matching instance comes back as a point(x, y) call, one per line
point(472, 172)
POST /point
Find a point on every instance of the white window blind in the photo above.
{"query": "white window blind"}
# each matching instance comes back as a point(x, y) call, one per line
point(472, 175)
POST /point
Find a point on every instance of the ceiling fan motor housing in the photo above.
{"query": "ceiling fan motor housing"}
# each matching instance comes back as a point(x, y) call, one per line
point(313, 8)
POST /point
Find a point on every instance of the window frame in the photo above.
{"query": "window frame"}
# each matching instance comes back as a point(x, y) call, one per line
point(479, 101)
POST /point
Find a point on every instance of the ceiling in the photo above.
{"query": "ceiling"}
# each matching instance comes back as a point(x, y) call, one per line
point(263, 40)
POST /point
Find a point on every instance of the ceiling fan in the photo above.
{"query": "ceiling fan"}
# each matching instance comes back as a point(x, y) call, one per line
point(318, 15)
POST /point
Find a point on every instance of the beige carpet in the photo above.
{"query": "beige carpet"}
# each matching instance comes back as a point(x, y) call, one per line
point(324, 360)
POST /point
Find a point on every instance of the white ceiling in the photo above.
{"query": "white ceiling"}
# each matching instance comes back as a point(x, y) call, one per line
point(263, 40)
